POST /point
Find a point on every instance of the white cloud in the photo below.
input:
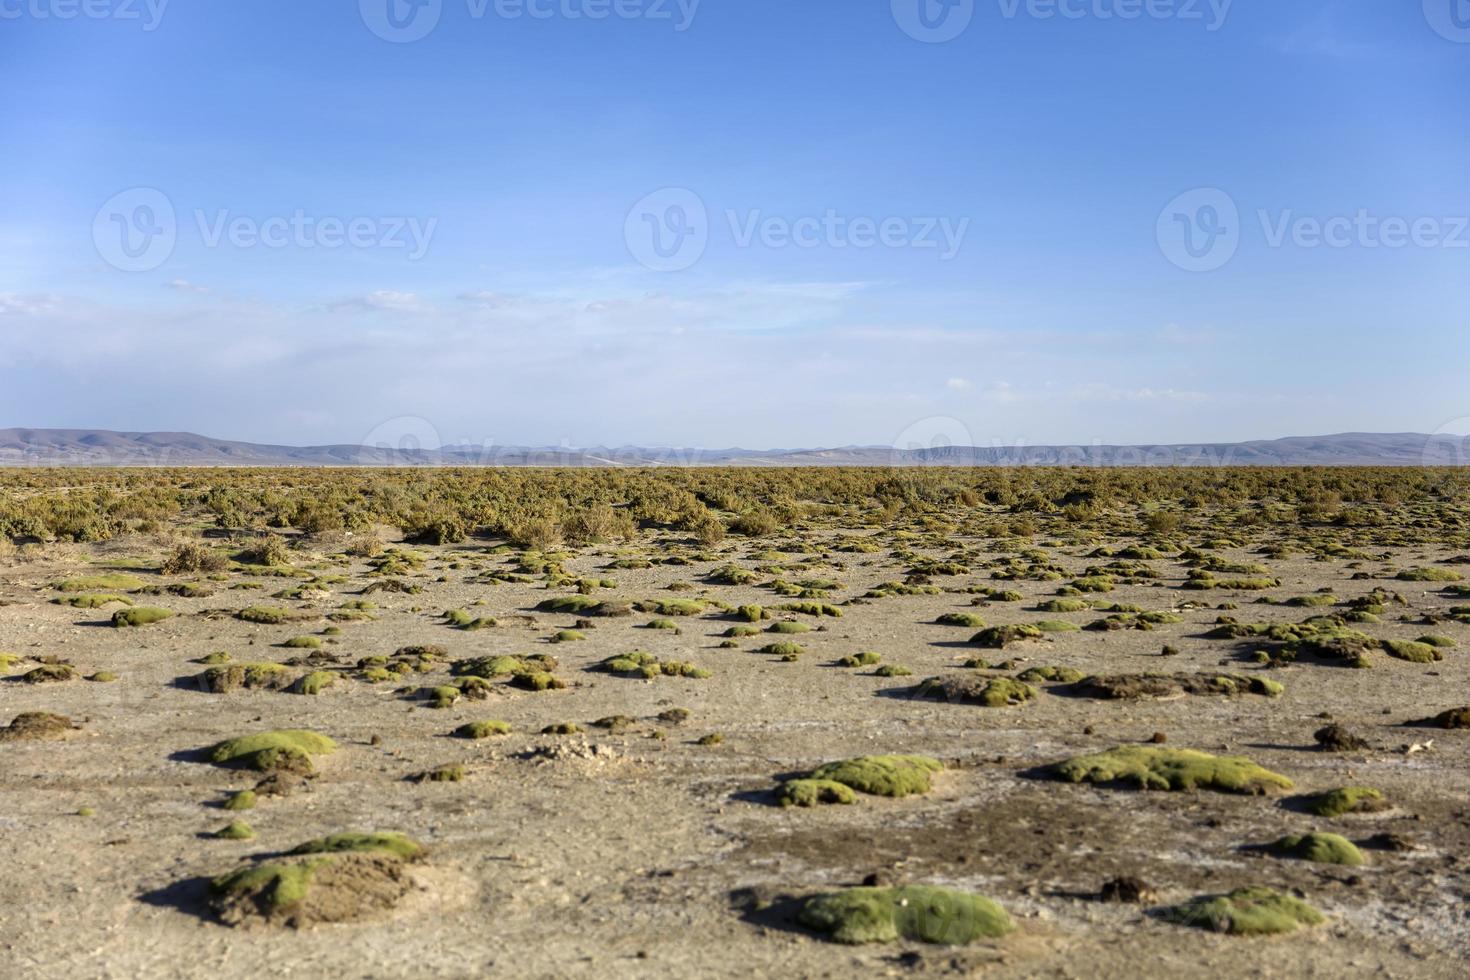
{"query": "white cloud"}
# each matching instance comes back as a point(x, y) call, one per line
point(384, 300)
point(12, 304)
point(957, 384)
point(185, 286)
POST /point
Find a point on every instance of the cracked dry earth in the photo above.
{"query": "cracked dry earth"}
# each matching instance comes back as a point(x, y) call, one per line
point(643, 852)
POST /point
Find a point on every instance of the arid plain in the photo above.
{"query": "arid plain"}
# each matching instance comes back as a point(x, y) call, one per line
point(369, 723)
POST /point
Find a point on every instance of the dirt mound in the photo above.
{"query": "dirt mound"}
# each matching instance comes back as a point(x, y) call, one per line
point(304, 892)
point(33, 726)
point(1134, 687)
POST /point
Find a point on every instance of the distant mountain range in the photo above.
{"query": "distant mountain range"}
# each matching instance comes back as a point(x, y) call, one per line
point(98, 447)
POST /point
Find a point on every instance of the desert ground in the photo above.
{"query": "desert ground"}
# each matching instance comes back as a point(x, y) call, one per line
point(646, 815)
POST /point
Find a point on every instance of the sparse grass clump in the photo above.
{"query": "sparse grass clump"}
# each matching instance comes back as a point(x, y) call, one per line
point(1246, 912)
point(917, 913)
point(1156, 768)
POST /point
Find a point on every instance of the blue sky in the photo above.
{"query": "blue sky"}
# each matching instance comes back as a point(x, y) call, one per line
point(888, 237)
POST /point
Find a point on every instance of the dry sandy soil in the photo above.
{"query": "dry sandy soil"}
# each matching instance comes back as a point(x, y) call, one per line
point(628, 854)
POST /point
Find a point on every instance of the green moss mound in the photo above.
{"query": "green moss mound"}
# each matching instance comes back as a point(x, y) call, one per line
point(1057, 626)
point(1318, 848)
point(115, 582)
point(1064, 606)
point(1158, 768)
point(266, 751)
point(916, 912)
point(91, 601)
point(882, 775)
point(265, 615)
point(865, 659)
point(482, 729)
point(788, 627)
point(235, 830)
point(998, 692)
point(1412, 651)
point(397, 844)
point(140, 616)
point(228, 677)
point(997, 637)
point(1050, 675)
point(639, 663)
point(1429, 575)
point(1347, 799)
point(243, 800)
point(314, 683)
point(273, 888)
point(814, 792)
point(970, 620)
point(1246, 912)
